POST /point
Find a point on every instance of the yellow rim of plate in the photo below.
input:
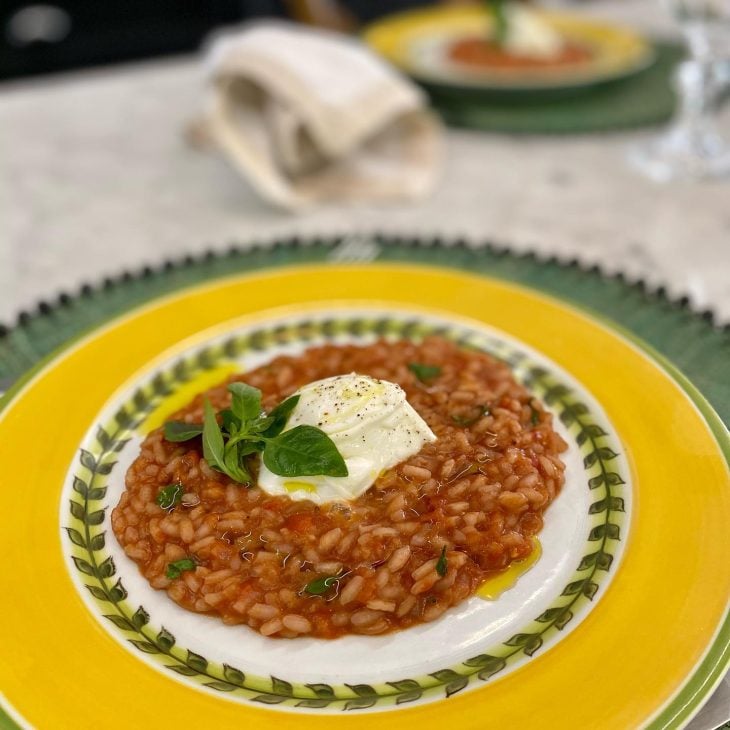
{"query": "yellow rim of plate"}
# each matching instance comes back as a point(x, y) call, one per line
point(621, 667)
point(617, 50)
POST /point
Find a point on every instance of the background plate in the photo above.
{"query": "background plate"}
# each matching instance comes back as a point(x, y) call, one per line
point(415, 42)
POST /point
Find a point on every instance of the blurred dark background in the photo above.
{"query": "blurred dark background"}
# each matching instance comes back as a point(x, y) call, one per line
point(39, 38)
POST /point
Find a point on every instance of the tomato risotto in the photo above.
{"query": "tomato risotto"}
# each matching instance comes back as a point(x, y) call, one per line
point(423, 538)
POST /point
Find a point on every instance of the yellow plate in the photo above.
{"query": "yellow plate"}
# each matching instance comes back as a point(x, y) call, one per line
point(647, 654)
point(417, 42)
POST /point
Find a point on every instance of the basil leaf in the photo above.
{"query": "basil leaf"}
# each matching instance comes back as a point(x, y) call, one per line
point(170, 495)
point(320, 585)
point(424, 372)
point(229, 422)
point(304, 451)
point(250, 447)
point(181, 431)
point(534, 415)
point(279, 416)
point(246, 401)
point(441, 563)
point(234, 466)
point(259, 425)
point(212, 439)
point(175, 569)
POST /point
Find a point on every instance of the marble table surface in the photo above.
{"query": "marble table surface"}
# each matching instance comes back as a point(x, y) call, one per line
point(96, 177)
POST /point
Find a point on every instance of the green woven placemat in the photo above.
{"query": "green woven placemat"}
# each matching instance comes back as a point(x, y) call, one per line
point(689, 340)
point(641, 100)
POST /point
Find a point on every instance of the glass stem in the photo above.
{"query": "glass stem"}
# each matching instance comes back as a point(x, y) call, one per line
point(697, 87)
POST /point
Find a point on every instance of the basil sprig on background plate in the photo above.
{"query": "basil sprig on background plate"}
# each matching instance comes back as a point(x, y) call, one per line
point(499, 18)
point(245, 430)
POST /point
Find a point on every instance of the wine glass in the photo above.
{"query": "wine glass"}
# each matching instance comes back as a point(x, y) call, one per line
point(694, 146)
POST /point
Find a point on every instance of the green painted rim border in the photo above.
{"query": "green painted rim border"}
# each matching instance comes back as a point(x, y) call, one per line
point(655, 323)
point(95, 568)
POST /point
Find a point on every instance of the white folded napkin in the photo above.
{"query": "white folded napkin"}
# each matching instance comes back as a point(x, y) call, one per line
point(311, 116)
